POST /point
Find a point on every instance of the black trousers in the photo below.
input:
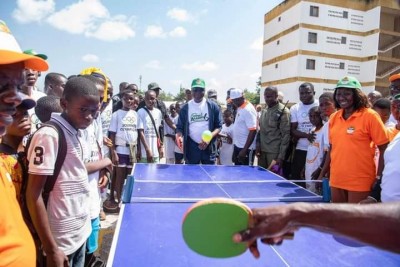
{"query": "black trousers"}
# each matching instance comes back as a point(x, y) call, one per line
point(298, 165)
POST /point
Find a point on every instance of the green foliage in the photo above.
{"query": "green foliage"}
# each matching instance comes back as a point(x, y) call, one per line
point(166, 96)
point(181, 95)
point(252, 97)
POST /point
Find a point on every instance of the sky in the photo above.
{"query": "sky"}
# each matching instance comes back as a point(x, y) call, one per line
point(170, 42)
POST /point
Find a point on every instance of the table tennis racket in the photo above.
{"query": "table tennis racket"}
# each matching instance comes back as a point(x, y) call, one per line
point(209, 225)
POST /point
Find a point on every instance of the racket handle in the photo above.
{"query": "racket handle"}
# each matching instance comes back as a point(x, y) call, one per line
point(326, 190)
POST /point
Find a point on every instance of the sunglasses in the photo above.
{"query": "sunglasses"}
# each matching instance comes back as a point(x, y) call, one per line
point(197, 89)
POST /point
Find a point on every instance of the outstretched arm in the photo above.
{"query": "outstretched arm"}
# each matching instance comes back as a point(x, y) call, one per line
point(375, 224)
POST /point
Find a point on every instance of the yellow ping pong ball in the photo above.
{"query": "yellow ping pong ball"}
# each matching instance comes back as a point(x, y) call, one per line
point(206, 136)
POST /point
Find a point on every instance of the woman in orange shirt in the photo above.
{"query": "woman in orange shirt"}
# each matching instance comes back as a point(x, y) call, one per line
point(351, 131)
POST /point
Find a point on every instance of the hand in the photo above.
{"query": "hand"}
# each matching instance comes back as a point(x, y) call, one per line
point(242, 155)
point(228, 139)
point(315, 174)
point(114, 157)
point(57, 259)
point(107, 142)
point(311, 137)
point(179, 141)
point(203, 145)
point(149, 157)
point(258, 150)
point(161, 152)
point(270, 225)
point(103, 179)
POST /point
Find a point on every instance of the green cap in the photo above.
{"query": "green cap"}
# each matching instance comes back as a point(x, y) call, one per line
point(348, 82)
point(153, 86)
point(34, 53)
point(198, 83)
point(396, 97)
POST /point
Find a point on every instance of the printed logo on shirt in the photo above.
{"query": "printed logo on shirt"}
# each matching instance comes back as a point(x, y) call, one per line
point(128, 124)
point(198, 117)
point(351, 130)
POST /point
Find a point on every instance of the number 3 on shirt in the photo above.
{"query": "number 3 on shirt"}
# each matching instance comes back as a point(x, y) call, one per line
point(38, 155)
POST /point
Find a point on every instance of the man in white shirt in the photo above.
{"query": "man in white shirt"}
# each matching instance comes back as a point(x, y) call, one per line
point(301, 128)
point(244, 129)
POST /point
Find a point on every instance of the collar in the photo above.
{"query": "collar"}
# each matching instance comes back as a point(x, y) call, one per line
point(244, 104)
point(65, 124)
point(355, 114)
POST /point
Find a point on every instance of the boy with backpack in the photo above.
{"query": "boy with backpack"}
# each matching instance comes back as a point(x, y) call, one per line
point(63, 224)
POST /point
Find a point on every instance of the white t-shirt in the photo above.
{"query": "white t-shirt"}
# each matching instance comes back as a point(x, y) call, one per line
point(169, 143)
point(124, 123)
point(146, 125)
point(198, 119)
point(299, 114)
point(34, 119)
point(68, 205)
point(245, 121)
point(91, 153)
point(315, 153)
point(391, 173)
point(105, 123)
point(226, 150)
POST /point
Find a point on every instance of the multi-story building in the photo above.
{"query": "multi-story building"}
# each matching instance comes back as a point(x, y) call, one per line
point(321, 41)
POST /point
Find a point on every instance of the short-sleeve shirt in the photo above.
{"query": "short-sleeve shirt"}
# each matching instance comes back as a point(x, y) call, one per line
point(68, 205)
point(299, 114)
point(245, 121)
point(226, 150)
point(124, 123)
point(16, 244)
point(352, 156)
point(391, 173)
point(149, 131)
point(91, 153)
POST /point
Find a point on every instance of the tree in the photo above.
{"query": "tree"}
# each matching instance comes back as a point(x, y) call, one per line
point(254, 97)
point(165, 96)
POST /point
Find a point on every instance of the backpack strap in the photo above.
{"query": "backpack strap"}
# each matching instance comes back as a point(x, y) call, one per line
point(61, 155)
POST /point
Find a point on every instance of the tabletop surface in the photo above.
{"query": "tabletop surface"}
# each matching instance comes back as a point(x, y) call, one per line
point(149, 232)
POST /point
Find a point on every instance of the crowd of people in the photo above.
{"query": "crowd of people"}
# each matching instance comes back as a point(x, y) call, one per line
point(62, 148)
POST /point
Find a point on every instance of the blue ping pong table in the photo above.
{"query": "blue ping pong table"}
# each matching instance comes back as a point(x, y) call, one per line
point(148, 231)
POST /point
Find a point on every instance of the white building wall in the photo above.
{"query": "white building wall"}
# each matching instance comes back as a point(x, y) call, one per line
point(289, 18)
point(332, 16)
point(327, 42)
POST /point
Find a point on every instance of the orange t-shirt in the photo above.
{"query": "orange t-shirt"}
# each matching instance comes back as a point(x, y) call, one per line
point(14, 169)
point(16, 244)
point(352, 157)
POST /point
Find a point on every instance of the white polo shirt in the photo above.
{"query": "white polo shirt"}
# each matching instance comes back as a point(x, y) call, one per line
point(68, 205)
point(391, 173)
point(245, 121)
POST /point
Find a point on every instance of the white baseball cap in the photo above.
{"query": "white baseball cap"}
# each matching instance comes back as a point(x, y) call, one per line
point(10, 51)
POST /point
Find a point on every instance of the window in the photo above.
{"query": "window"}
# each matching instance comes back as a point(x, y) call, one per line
point(310, 64)
point(345, 14)
point(341, 65)
point(276, 66)
point(277, 42)
point(314, 11)
point(344, 40)
point(312, 37)
point(279, 19)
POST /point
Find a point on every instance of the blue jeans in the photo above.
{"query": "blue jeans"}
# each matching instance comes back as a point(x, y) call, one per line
point(77, 259)
point(194, 155)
